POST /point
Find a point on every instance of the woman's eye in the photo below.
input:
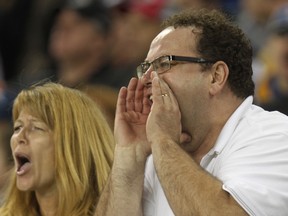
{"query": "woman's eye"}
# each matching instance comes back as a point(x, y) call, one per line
point(37, 128)
point(16, 128)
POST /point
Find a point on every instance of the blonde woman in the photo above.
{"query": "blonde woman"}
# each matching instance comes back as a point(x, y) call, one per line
point(62, 148)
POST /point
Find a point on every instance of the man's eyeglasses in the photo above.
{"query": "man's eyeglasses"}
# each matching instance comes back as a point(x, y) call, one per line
point(163, 63)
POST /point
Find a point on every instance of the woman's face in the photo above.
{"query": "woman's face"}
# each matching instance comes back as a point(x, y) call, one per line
point(32, 146)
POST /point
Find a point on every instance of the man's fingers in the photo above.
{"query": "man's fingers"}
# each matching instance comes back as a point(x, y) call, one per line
point(160, 90)
point(130, 98)
point(121, 101)
point(139, 94)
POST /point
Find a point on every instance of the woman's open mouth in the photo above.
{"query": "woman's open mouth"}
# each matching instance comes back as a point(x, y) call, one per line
point(23, 163)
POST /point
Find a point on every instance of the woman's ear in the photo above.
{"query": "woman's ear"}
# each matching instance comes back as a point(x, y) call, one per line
point(219, 76)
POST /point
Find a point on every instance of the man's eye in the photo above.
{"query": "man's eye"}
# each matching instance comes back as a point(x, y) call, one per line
point(174, 63)
point(164, 64)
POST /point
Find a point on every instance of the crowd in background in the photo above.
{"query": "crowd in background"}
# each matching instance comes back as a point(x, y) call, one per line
point(95, 46)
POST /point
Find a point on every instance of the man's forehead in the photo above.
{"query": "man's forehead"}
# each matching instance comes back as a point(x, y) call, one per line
point(177, 33)
point(165, 32)
point(171, 40)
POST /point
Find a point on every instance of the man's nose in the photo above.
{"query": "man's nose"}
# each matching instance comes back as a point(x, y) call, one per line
point(147, 76)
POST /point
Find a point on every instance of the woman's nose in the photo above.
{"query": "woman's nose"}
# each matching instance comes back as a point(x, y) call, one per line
point(21, 136)
point(18, 138)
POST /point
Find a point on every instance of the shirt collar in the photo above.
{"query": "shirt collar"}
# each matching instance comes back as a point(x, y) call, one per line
point(230, 126)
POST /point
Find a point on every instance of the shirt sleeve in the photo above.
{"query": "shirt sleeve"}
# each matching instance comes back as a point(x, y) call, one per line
point(256, 174)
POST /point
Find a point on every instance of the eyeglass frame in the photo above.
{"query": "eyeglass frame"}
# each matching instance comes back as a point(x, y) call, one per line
point(141, 71)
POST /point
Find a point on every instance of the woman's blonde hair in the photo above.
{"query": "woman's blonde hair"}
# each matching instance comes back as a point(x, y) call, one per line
point(83, 149)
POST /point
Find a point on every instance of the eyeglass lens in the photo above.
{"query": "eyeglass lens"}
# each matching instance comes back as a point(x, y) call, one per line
point(160, 65)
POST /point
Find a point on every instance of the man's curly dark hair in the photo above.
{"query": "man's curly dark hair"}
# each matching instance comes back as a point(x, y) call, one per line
point(220, 39)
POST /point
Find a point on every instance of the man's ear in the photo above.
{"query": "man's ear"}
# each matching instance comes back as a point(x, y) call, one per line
point(219, 76)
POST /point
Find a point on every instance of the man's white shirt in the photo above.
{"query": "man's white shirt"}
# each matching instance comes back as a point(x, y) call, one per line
point(250, 158)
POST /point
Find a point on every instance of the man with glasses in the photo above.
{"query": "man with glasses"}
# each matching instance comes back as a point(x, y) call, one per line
point(189, 140)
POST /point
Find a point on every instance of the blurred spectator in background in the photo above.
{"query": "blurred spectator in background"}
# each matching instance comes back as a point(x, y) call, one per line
point(6, 130)
point(2, 81)
point(253, 19)
point(21, 27)
point(80, 42)
point(197, 4)
point(78, 46)
point(14, 15)
point(231, 7)
point(105, 97)
point(135, 25)
point(6, 98)
point(272, 89)
point(6, 101)
point(68, 42)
